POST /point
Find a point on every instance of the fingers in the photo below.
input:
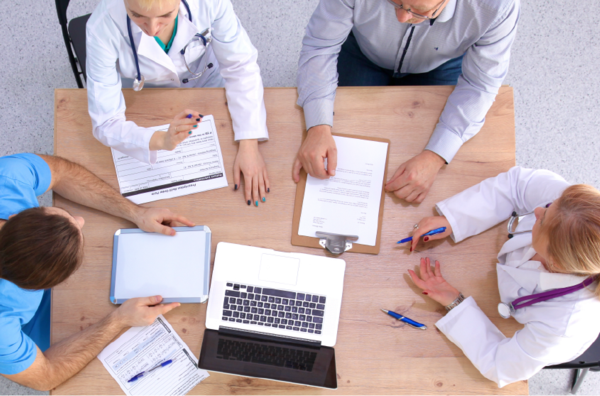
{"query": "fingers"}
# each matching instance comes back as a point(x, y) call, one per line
point(394, 184)
point(255, 189)
point(437, 271)
point(261, 187)
point(164, 308)
point(412, 195)
point(266, 179)
point(331, 161)
point(248, 190)
point(416, 280)
point(165, 230)
point(316, 168)
point(236, 176)
point(424, 272)
point(416, 236)
point(149, 301)
point(296, 170)
point(183, 220)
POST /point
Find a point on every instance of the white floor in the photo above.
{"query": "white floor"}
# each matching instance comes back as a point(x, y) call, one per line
point(553, 71)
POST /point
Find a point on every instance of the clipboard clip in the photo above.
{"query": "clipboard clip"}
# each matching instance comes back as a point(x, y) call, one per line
point(336, 243)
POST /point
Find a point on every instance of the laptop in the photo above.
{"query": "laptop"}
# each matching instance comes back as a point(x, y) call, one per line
point(273, 315)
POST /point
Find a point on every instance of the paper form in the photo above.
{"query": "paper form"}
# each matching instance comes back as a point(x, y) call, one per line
point(142, 348)
point(347, 203)
point(195, 165)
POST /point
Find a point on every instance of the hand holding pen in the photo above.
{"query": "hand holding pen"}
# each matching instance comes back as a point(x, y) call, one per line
point(428, 225)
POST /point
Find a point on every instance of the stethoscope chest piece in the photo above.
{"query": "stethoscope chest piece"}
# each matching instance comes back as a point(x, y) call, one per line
point(505, 310)
point(138, 84)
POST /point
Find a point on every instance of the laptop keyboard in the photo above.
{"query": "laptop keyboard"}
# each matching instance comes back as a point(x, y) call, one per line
point(266, 354)
point(297, 312)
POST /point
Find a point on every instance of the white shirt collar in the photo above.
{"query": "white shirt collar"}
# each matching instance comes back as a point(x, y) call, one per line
point(448, 12)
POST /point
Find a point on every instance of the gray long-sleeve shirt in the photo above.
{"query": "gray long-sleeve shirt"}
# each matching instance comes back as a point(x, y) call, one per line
point(482, 30)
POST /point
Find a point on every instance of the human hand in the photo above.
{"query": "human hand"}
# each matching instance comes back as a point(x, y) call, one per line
point(428, 224)
point(250, 163)
point(414, 178)
point(317, 146)
point(141, 311)
point(433, 283)
point(179, 129)
point(159, 220)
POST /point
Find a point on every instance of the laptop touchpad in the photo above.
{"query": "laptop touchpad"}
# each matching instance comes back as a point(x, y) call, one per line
point(279, 269)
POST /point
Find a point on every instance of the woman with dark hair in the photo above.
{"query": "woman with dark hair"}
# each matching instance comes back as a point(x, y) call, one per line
point(547, 271)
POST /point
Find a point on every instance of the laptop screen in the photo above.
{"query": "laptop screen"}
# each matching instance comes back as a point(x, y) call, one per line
point(276, 360)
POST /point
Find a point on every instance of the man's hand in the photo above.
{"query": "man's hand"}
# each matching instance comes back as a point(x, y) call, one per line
point(141, 311)
point(179, 129)
point(159, 220)
point(414, 178)
point(251, 164)
point(317, 146)
point(433, 283)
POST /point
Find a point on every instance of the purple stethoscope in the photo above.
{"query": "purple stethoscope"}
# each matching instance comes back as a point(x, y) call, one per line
point(507, 309)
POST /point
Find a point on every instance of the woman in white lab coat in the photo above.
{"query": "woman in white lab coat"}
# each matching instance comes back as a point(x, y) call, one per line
point(556, 246)
point(160, 31)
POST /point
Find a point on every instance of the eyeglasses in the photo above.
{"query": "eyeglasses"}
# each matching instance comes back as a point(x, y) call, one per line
point(401, 7)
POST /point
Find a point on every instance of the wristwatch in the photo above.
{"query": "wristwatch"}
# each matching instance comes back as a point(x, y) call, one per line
point(454, 303)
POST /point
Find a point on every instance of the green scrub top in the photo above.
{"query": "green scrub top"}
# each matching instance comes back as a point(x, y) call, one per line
point(167, 47)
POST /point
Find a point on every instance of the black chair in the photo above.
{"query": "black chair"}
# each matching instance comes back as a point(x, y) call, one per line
point(588, 361)
point(74, 36)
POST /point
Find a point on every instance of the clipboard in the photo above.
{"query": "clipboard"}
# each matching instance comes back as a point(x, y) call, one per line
point(314, 242)
point(175, 267)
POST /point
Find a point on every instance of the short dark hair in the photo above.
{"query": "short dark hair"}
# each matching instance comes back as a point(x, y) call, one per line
point(39, 250)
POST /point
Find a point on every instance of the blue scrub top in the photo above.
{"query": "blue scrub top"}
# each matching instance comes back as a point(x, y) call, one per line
point(22, 178)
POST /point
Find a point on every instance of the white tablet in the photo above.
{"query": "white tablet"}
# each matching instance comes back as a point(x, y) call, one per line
point(175, 267)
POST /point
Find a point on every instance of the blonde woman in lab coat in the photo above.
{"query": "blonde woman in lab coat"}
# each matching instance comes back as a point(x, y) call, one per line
point(160, 30)
point(556, 245)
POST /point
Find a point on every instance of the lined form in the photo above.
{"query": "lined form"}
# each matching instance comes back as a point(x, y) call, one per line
point(347, 203)
point(142, 348)
point(195, 165)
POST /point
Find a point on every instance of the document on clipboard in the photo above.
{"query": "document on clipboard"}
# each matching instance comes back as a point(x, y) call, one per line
point(349, 203)
point(195, 165)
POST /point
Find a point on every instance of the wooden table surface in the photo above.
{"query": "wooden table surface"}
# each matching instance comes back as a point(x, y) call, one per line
point(375, 354)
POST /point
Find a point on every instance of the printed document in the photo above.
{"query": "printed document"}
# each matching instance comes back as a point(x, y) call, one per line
point(142, 348)
point(195, 165)
point(347, 203)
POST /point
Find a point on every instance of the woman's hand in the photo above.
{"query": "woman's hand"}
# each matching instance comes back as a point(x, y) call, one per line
point(180, 128)
point(433, 283)
point(428, 224)
point(250, 162)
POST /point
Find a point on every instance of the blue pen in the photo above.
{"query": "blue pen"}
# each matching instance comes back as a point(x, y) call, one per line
point(140, 375)
point(432, 232)
point(404, 319)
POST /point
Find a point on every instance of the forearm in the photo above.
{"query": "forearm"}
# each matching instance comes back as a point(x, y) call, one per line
point(76, 183)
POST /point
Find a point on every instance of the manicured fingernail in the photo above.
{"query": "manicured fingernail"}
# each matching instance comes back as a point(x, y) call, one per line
point(411, 248)
point(256, 203)
point(235, 187)
point(426, 293)
point(425, 239)
point(248, 202)
point(264, 199)
point(189, 116)
point(269, 189)
point(201, 116)
point(197, 119)
point(196, 126)
point(190, 132)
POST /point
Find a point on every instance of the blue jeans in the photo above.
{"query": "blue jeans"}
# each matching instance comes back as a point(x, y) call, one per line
point(356, 70)
point(38, 328)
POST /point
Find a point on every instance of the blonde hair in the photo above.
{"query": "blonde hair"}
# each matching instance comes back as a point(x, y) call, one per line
point(574, 231)
point(148, 4)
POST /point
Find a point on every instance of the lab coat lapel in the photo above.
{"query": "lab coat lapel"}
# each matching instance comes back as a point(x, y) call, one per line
point(516, 242)
point(149, 48)
point(528, 279)
point(185, 33)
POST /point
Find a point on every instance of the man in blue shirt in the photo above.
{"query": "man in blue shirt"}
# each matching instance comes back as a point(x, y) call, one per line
point(40, 248)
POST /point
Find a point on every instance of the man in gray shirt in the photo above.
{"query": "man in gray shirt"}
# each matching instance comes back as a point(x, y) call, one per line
point(414, 42)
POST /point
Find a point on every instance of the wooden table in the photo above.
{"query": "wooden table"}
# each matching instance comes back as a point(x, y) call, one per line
point(375, 354)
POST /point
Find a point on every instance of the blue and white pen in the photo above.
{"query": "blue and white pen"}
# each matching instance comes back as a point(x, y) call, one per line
point(432, 232)
point(140, 375)
point(404, 319)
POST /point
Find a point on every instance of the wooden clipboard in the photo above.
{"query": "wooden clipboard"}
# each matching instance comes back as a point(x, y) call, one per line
point(300, 240)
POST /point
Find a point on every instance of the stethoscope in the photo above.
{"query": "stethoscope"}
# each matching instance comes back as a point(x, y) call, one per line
point(205, 37)
point(514, 217)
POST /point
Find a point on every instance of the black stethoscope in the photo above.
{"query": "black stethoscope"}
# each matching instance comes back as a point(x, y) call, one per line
point(514, 217)
point(138, 83)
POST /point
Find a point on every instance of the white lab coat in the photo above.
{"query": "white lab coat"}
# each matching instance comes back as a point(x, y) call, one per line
point(110, 65)
point(557, 330)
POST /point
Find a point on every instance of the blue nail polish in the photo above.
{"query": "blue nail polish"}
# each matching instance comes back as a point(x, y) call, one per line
point(264, 199)
point(188, 116)
point(190, 132)
point(195, 125)
point(248, 202)
point(256, 203)
point(269, 190)
point(235, 187)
